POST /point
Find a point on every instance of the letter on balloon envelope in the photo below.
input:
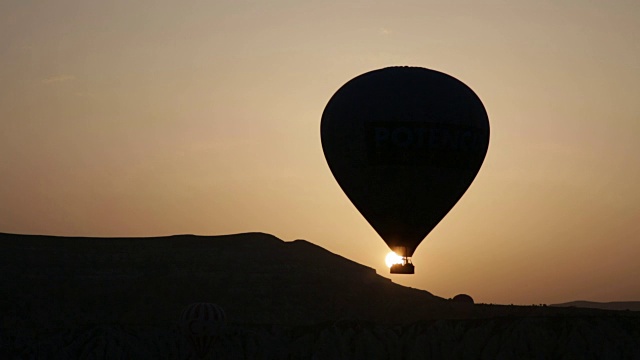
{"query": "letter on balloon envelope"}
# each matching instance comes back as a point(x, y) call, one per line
point(404, 144)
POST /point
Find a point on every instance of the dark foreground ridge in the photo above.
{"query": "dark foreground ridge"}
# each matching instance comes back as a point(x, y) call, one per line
point(66, 297)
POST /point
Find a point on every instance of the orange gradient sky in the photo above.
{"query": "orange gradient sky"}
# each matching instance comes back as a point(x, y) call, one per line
point(143, 118)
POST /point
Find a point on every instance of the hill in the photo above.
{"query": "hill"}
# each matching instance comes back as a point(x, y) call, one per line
point(119, 298)
point(256, 277)
point(614, 305)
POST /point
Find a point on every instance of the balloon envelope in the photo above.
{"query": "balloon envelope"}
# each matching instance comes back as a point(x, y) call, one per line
point(201, 323)
point(404, 144)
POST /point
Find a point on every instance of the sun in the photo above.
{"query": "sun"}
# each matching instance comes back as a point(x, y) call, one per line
point(392, 258)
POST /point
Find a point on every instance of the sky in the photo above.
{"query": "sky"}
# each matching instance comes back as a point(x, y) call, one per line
point(146, 118)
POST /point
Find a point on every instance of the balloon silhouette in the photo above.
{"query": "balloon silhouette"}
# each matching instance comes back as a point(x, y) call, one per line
point(202, 323)
point(404, 144)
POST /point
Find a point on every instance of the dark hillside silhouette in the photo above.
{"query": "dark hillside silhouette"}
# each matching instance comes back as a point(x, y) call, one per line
point(256, 277)
point(613, 305)
point(122, 297)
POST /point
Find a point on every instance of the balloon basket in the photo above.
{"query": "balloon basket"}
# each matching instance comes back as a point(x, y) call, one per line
point(406, 268)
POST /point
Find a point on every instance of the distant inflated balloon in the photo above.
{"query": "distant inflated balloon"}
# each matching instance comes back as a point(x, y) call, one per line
point(404, 144)
point(202, 323)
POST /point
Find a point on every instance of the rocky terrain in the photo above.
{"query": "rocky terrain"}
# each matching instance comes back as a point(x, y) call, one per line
point(93, 298)
point(558, 337)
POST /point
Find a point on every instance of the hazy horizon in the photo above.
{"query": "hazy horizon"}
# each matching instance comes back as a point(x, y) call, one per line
point(158, 118)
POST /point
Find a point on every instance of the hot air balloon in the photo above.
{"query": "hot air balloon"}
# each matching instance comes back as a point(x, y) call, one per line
point(404, 144)
point(202, 323)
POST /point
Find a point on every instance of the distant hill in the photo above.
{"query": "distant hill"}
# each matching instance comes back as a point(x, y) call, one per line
point(615, 305)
